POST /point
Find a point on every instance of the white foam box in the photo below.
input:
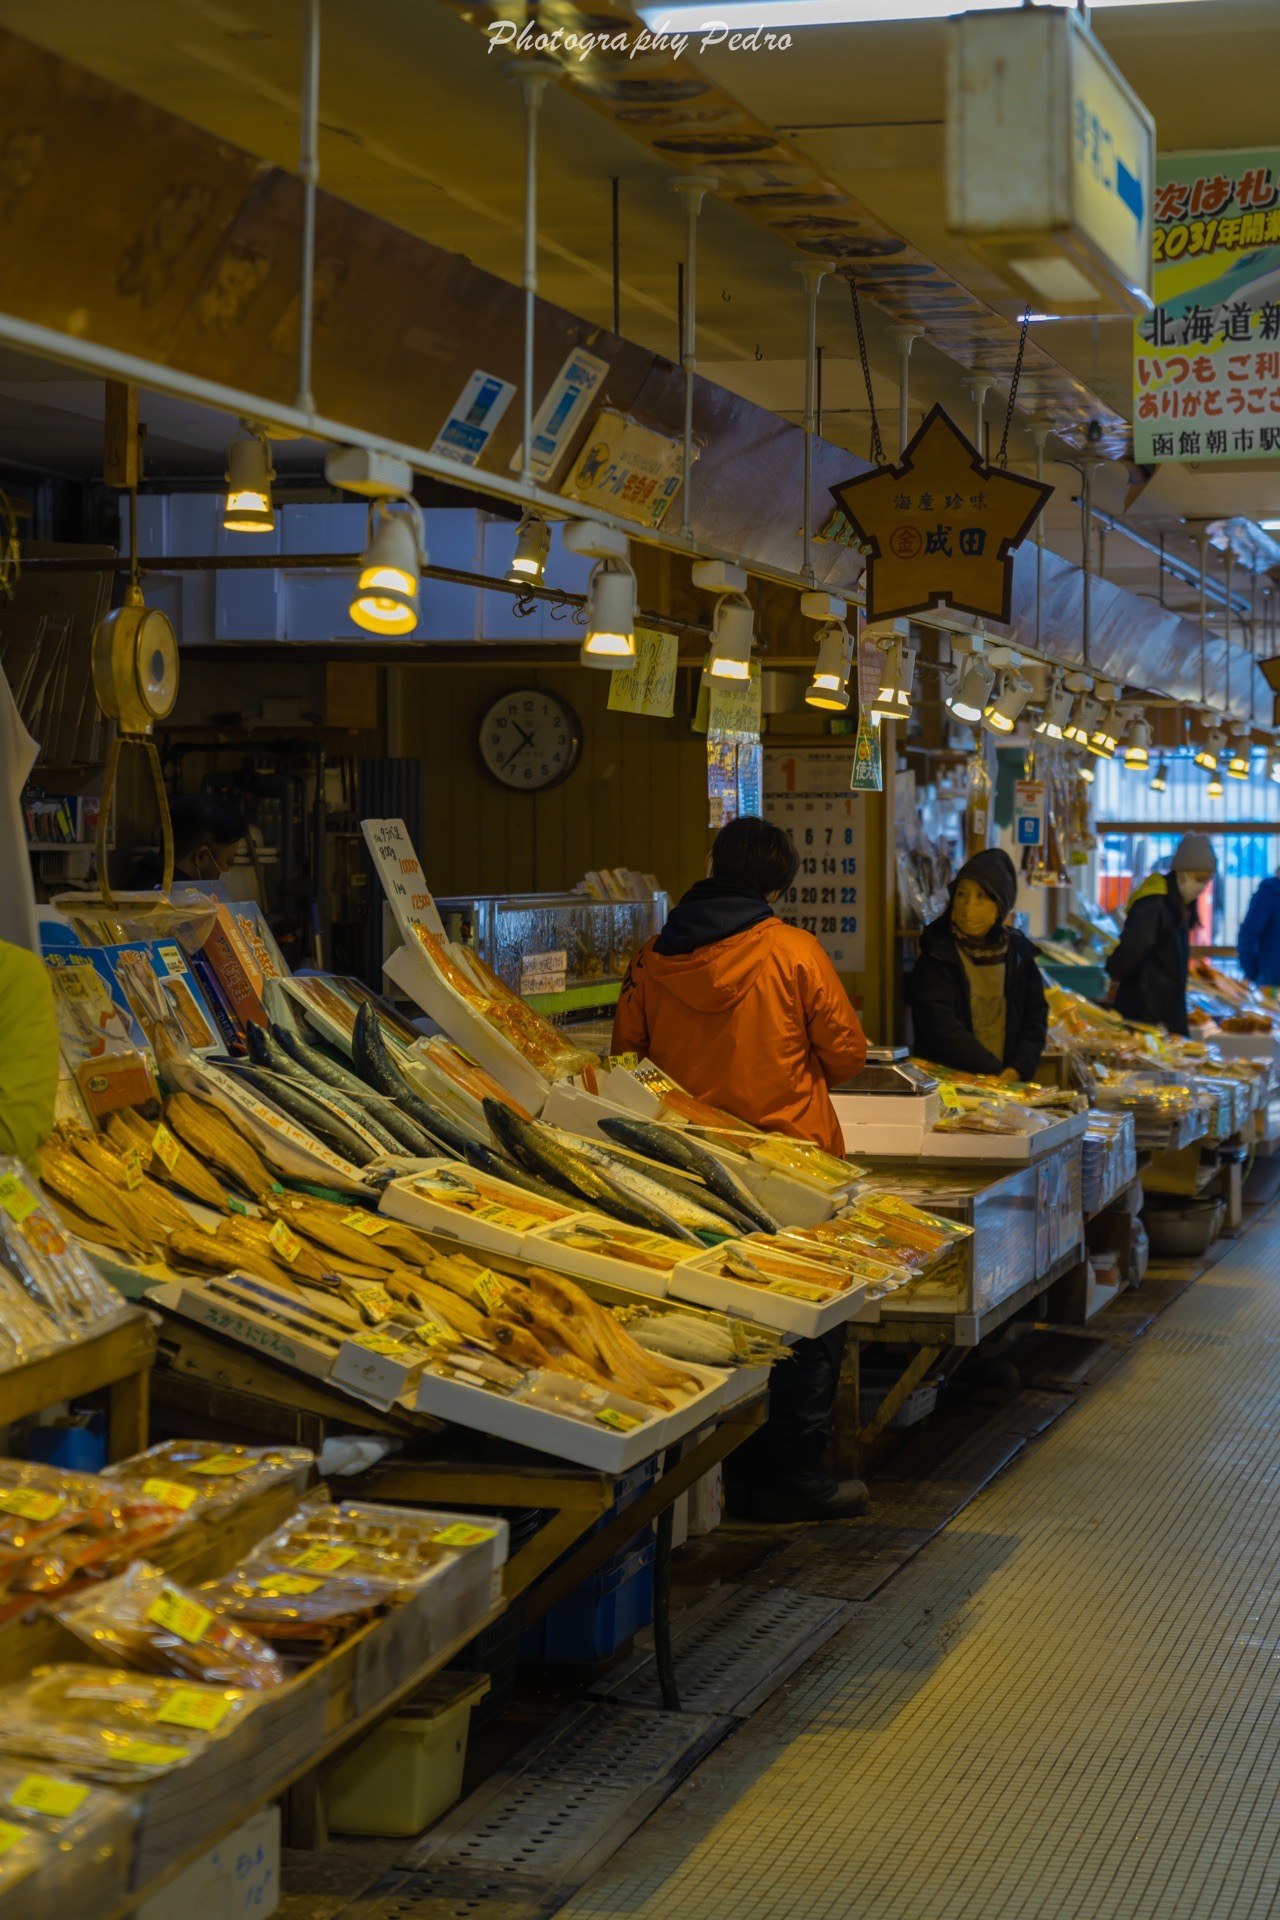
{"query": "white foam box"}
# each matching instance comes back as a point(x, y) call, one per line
point(239, 1879)
point(578, 1111)
point(402, 1200)
point(888, 1109)
point(621, 1086)
point(696, 1280)
point(1016, 1147)
point(541, 1248)
point(586, 1444)
point(1247, 1046)
point(883, 1141)
point(414, 975)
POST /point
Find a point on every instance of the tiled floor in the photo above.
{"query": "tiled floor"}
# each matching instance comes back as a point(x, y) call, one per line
point(1068, 1705)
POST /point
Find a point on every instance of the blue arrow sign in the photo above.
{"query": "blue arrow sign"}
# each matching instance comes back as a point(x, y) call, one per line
point(1129, 190)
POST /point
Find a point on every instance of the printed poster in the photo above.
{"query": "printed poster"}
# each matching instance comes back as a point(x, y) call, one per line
point(1207, 359)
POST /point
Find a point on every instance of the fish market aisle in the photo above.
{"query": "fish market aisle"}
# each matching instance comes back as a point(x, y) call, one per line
point(1067, 1705)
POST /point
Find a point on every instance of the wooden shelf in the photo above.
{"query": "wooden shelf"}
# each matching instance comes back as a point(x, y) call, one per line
point(119, 1359)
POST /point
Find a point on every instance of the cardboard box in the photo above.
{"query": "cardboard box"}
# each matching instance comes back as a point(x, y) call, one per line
point(239, 1879)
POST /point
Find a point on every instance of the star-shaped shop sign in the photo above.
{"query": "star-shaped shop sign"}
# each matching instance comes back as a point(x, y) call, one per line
point(941, 527)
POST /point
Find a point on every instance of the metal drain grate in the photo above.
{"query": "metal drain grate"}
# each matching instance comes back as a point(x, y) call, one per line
point(453, 1896)
point(571, 1798)
point(733, 1649)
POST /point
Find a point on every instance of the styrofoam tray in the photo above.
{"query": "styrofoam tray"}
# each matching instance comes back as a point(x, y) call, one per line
point(401, 1200)
point(1017, 1147)
point(412, 972)
point(543, 1249)
point(568, 1439)
point(694, 1280)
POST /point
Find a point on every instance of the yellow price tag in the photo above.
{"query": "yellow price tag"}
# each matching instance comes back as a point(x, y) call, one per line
point(166, 1148)
point(219, 1465)
point(288, 1583)
point(30, 1504)
point(10, 1835)
point(286, 1243)
point(951, 1101)
point(170, 1494)
point(369, 1224)
point(463, 1534)
point(178, 1613)
point(132, 1168)
point(385, 1343)
point(622, 1422)
point(14, 1198)
point(376, 1299)
point(324, 1559)
point(148, 1753)
point(188, 1707)
point(38, 1793)
point(491, 1290)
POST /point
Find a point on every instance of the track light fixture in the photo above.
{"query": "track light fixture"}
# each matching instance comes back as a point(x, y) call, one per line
point(1000, 715)
point(1057, 710)
point(1207, 753)
point(1160, 779)
point(971, 684)
point(1137, 752)
point(733, 634)
point(386, 595)
point(893, 701)
point(829, 687)
point(1215, 788)
point(533, 543)
point(610, 640)
point(248, 507)
point(1238, 764)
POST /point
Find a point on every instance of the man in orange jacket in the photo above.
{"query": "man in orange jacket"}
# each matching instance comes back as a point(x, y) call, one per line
point(749, 1014)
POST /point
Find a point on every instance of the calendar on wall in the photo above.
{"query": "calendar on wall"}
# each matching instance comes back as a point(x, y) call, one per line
point(807, 795)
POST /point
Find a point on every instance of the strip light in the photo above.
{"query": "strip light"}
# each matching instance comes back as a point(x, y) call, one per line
point(715, 23)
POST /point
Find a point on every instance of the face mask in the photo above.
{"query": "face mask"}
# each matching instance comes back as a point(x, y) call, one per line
point(975, 918)
point(1191, 886)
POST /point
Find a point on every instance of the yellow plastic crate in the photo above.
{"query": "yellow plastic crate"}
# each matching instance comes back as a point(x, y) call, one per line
point(409, 1770)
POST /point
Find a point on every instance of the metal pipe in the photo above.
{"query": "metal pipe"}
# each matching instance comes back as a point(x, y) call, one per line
point(1228, 561)
point(817, 396)
point(1180, 569)
point(533, 78)
point(1087, 472)
point(617, 261)
point(1040, 431)
point(309, 171)
point(690, 187)
point(979, 389)
point(1201, 543)
point(811, 272)
point(904, 334)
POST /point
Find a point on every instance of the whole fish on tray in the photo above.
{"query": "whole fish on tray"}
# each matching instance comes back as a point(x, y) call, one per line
point(381, 1072)
point(676, 1149)
point(266, 1052)
point(544, 1153)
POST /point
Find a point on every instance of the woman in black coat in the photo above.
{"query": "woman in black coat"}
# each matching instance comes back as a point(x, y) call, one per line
point(976, 996)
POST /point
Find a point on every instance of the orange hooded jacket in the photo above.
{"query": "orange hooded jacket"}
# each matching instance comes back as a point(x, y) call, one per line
point(757, 1024)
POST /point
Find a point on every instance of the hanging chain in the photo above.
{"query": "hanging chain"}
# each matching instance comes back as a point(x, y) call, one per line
point(877, 444)
point(1002, 458)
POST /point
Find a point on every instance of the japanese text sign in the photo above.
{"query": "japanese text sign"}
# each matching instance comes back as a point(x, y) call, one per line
point(628, 468)
point(1207, 360)
point(650, 686)
point(941, 527)
point(402, 877)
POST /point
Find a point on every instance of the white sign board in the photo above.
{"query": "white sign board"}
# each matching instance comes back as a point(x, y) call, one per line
point(807, 795)
point(403, 880)
point(563, 405)
point(1050, 160)
point(1028, 813)
point(479, 407)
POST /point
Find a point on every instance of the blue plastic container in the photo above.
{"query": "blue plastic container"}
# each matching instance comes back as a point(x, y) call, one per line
point(591, 1623)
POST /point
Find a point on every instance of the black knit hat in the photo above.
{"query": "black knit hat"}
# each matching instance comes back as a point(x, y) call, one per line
point(993, 871)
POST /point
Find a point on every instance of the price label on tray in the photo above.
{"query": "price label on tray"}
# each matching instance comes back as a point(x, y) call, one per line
point(30, 1504)
point(374, 1299)
point(165, 1148)
point(463, 1534)
point(132, 1168)
point(221, 1466)
point(14, 1198)
point(170, 1494)
point(369, 1224)
point(289, 1583)
point(38, 1793)
point(951, 1102)
point(285, 1242)
point(620, 1422)
point(149, 1753)
point(10, 1835)
point(189, 1707)
point(178, 1613)
point(490, 1290)
point(323, 1559)
point(384, 1343)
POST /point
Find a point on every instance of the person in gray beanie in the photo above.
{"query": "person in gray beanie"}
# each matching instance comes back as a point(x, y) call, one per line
point(1151, 962)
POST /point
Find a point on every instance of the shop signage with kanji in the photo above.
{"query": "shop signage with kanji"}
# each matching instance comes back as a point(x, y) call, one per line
point(1207, 360)
point(940, 528)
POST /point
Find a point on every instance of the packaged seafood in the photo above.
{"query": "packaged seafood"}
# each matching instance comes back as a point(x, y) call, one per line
point(467, 1205)
point(143, 1619)
point(107, 1725)
point(203, 1477)
point(774, 1284)
point(40, 1256)
point(604, 1249)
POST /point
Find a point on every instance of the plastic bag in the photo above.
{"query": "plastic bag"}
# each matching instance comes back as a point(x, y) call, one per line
point(43, 1259)
point(120, 1728)
point(206, 1476)
point(145, 1620)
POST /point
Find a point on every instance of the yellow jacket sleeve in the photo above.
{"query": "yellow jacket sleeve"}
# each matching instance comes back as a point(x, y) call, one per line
point(28, 1052)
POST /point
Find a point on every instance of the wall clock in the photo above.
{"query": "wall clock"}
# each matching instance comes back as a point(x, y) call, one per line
point(529, 740)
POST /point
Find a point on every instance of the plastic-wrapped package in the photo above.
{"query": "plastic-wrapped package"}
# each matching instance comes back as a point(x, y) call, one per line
point(206, 1476)
point(143, 1619)
point(42, 1257)
point(23, 1852)
point(26, 1330)
point(38, 1502)
point(57, 1526)
point(88, 1830)
point(119, 1728)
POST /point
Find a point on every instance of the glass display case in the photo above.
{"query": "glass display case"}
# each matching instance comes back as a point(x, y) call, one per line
point(560, 950)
